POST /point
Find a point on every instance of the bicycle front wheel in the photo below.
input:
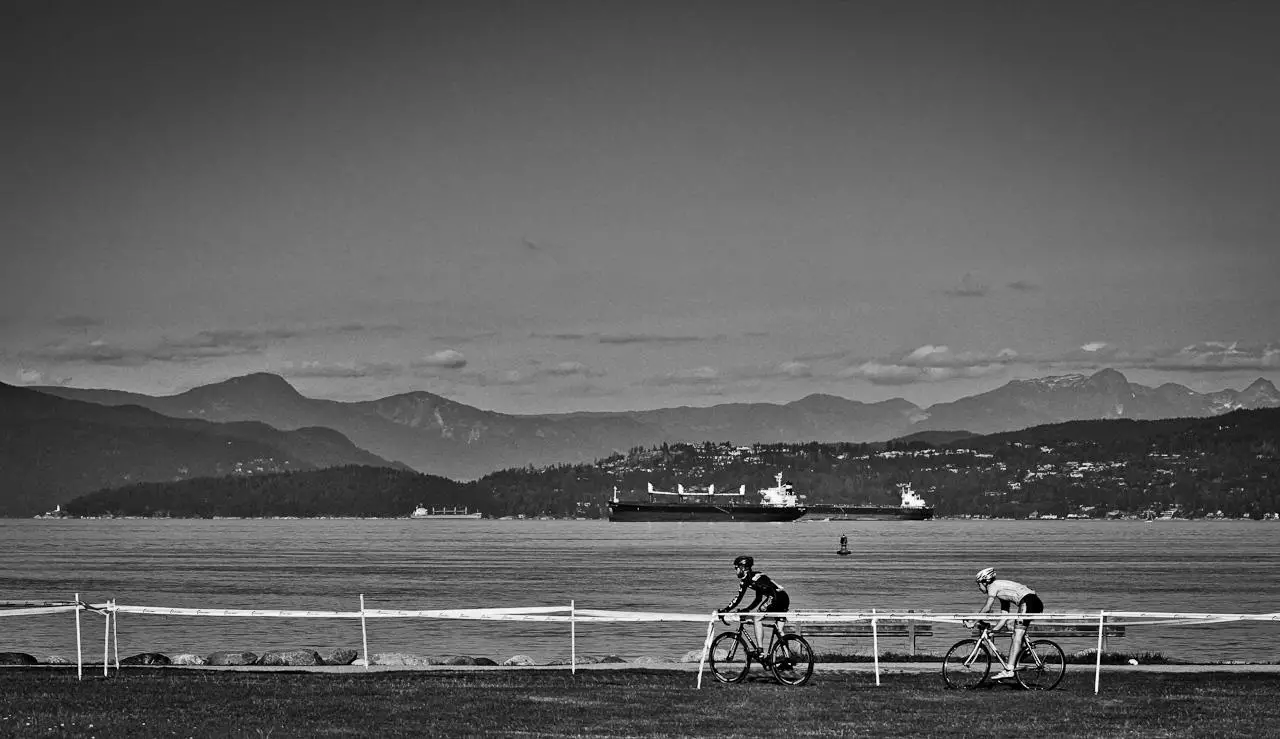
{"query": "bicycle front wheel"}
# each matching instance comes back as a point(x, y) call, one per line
point(729, 658)
point(1041, 665)
point(791, 660)
point(966, 665)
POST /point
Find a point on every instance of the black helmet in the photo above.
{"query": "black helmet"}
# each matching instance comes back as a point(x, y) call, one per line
point(743, 560)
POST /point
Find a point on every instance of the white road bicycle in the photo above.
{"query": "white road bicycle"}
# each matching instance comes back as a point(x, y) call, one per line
point(967, 665)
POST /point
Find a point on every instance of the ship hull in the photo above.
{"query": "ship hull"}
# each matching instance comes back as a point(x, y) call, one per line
point(654, 512)
point(446, 515)
point(837, 512)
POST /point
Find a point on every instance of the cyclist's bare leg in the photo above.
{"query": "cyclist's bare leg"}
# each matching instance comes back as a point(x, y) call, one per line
point(1015, 649)
point(759, 623)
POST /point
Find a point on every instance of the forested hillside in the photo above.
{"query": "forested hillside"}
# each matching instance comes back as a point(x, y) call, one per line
point(340, 491)
point(1225, 465)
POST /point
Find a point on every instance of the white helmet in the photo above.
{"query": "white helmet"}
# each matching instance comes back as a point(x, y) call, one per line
point(987, 574)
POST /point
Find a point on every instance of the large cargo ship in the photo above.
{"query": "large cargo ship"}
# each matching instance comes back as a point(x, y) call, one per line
point(778, 503)
point(444, 512)
point(912, 508)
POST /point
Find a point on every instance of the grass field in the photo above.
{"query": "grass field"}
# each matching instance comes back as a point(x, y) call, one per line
point(146, 702)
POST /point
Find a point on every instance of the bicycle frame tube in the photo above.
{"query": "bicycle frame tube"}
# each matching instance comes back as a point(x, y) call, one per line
point(986, 638)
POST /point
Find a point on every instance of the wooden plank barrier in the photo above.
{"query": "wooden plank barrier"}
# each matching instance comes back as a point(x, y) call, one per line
point(887, 627)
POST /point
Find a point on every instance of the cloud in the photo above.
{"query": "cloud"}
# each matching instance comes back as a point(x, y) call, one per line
point(931, 364)
point(559, 336)
point(1207, 356)
point(1217, 356)
point(334, 370)
point(566, 369)
point(922, 354)
point(217, 343)
point(697, 376)
point(36, 377)
point(93, 352)
point(646, 339)
point(897, 374)
point(199, 346)
point(446, 358)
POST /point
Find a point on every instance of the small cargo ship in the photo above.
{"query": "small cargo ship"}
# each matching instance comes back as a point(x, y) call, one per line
point(777, 503)
point(444, 512)
point(912, 508)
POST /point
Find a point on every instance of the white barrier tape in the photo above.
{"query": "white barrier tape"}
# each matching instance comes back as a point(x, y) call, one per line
point(234, 612)
point(464, 613)
point(585, 614)
point(1163, 615)
point(562, 614)
point(533, 614)
point(36, 611)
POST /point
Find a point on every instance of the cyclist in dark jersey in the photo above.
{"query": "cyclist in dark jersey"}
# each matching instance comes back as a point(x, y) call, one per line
point(769, 596)
point(1011, 595)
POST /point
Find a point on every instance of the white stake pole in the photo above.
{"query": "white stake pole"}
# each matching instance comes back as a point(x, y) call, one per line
point(364, 633)
point(875, 644)
point(115, 635)
point(706, 646)
point(573, 640)
point(1097, 668)
point(106, 643)
point(79, 660)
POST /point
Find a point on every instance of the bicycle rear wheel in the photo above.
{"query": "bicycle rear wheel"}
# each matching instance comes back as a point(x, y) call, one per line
point(1041, 665)
point(966, 665)
point(729, 658)
point(791, 660)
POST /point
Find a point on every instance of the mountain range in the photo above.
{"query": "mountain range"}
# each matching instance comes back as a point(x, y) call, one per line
point(437, 436)
point(53, 449)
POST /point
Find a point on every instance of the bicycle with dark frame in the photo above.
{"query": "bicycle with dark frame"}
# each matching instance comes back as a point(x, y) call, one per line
point(788, 656)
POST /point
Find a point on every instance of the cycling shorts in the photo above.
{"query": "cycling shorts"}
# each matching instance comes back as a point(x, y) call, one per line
point(1033, 605)
point(779, 602)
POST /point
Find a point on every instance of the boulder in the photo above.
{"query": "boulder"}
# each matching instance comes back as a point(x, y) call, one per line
point(56, 659)
point(17, 658)
point(582, 660)
point(519, 660)
point(147, 658)
point(455, 660)
point(339, 656)
point(231, 659)
point(399, 659)
point(612, 659)
point(186, 659)
point(646, 660)
point(485, 662)
point(290, 658)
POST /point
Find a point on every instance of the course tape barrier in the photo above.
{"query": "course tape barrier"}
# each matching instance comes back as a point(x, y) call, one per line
point(574, 616)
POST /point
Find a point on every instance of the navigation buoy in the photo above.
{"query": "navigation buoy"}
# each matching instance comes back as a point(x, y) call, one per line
point(844, 545)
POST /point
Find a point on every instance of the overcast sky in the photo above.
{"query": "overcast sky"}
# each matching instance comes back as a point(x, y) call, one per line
point(553, 206)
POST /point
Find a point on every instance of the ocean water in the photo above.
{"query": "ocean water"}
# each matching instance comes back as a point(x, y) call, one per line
point(1179, 566)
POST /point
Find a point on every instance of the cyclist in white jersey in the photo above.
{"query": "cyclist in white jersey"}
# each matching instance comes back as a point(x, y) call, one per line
point(1010, 594)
